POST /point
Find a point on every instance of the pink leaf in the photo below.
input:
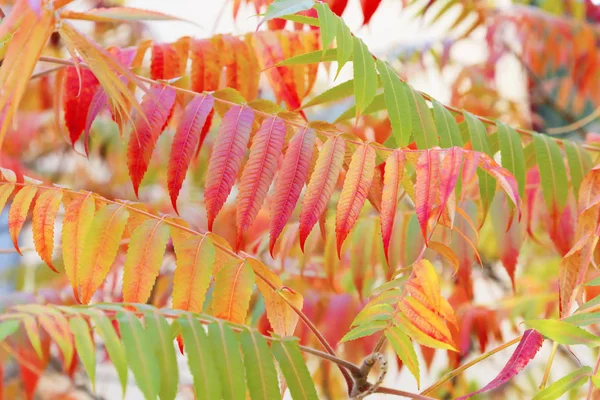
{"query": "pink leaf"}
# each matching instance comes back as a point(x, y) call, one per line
point(428, 172)
point(527, 349)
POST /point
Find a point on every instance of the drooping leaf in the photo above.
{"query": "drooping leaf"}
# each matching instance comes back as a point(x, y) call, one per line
point(294, 369)
point(446, 126)
point(394, 171)
point(86, 351)
point(114, 347)
point(405, 350)
point(267, 145)
point(226, 158)
point(480, 142)
point(279, 8)
point(580, 163)
point(144, 258)
point(428, 174)
point(260, 369)
point(77, 221)
point(282, 318)
point(188, 138)
point(368, 8)
point(18, 213)
point(156, 106)
point(396, 102)
point(513, 157)
point(141, 361)
point(570, 382)
point(100, 248)
point(564, 332)
point(571, 267)
point(322, 184)
point(526, 350)
point(365, 76)
point(159, 329)
point(423, 125)
point(354, 193)
point(233, 288)
point(201, 359)
point(345, 45)
point(449, 174)
point(553, 174)
point(78, 92)
point(229, 362)
point(327, 23)
point(292, 175)
point(195, 258)
point(44, 215)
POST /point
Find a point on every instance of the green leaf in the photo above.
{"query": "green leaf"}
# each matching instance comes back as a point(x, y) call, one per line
point(583, 319)
point(279, 8)
point(301, 19)
point(335, 93)
point(32, 331)
point(405, 350)
point(378, 104)
point(7, 328)
point(312, 57)
point(229, 360)
point(365, 76)
point(260, 369)
point(572, 381)
point(594, 282)
point(344, 45)
point(446, 125)
point(375, 312)
point(563, 332)
point(580, 163)
point(294, 369)
point(139, 356)
point(423, 126)
point(513, 157)
point(85, 346)
point(396, 103)
point(479, 142)
point(328, 23)
point(200, 359)
point(364, 330)
point(589, 304)
point(553, 174)
point(158, 327)
point(114, 347)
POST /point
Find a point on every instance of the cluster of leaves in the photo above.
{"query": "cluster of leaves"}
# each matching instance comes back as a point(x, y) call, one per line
point(222, 357)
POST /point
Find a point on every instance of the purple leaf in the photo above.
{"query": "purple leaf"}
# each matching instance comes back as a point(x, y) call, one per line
point(527, 349)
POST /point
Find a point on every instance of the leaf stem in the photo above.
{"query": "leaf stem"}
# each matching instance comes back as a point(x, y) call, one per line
point(463, 367)
point(547, 371)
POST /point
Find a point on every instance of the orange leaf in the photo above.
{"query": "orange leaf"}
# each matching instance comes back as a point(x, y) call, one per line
point(233, 289)
point(354, 193)
point(165, 62)
point(18, 212)
point(206, 70)
point(100, 249)
point(321, 185)
point(144, 258)
point(79, 215)
point(394, 171)
point(195, 258)
point(44, 214)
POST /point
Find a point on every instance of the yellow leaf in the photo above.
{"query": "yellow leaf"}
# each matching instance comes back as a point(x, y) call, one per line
point(233, 288)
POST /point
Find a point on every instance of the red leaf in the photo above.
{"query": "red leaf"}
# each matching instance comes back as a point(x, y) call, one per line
point(321, 185)
point(526, 350)
point(355, 191)
point(428, 172)
point(450, 171)
point(186, 141)
point(226, 158)
point(259, 172)
point(369, 7)
point(394, 171)
point(156, 105)
point(294, 172)
point(77, 98)
point(165, 62)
